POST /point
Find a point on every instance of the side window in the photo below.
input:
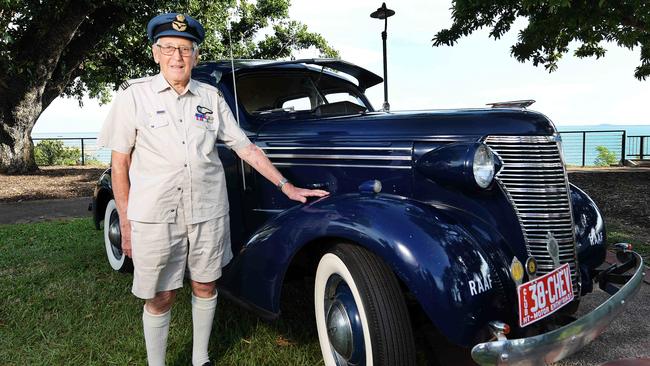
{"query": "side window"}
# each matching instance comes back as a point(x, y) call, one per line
point(343, 97)
point(270, 92)
point(299, 104)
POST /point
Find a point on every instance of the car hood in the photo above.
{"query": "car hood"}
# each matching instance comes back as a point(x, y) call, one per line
point(412, 125)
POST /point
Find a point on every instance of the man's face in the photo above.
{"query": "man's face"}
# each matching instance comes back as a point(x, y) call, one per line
point(176, 68)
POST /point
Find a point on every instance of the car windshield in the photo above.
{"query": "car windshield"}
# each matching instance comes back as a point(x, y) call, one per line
point(270, 94)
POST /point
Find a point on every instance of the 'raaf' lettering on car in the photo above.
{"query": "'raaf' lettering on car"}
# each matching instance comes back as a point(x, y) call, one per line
point(480, 284)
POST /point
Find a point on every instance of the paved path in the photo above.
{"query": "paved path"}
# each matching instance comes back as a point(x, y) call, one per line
point(41, 210)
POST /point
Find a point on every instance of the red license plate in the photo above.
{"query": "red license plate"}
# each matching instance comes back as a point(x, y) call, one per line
point(544, 295)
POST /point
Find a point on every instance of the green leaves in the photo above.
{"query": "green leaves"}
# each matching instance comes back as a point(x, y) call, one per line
point(605, 157)
point(53, 152)
point(110, 45)
point(554, 24)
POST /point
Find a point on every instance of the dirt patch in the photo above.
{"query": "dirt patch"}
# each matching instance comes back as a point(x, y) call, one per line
point(621, 195)
point(624, 199)
point(49, 183)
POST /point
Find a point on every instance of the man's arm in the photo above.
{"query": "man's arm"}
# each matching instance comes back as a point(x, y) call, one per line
point(256, 158)
point(120, 181)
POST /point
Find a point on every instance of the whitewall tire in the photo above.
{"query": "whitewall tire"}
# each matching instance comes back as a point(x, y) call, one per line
point(361, 315)
point(113, 240)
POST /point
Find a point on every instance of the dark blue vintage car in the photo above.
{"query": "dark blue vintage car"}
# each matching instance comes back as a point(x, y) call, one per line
point(465, 217)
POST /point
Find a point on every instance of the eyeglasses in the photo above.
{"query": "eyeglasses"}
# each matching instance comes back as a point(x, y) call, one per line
point(169, 50)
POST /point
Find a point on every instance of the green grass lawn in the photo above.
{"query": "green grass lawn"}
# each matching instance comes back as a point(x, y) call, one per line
point(618, 232)
point(61, 304)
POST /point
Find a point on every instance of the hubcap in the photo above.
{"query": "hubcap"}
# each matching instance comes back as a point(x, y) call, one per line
point(339, 330)
point(344, 327)
point(114, 235)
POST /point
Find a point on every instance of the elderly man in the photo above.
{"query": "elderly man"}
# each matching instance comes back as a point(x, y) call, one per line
point(169, 182)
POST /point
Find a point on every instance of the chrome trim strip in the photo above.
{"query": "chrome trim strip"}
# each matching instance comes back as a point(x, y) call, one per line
point(526, 139)
point(536, 165)
point(511, 176)
point(267, 210)
point(547, 203)
point(379, 139)
point(538, 190)
point(523, 184)
point(344, 165)
point(548, 150)
point(556, 345)
point(338, 157)
point(550, 216)
point(336, 148)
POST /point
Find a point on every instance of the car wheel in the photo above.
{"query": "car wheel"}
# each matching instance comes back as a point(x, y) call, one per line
point(361, 315)
point(113, 240)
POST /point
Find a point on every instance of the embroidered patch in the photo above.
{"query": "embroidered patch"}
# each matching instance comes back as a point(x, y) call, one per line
point(200, 117)
point(203, 110)
point(180, 23)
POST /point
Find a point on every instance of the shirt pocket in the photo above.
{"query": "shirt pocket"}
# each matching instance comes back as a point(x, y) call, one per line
point(157, 122)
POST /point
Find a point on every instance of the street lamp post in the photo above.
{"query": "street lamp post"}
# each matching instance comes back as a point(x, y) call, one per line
point(384, 13)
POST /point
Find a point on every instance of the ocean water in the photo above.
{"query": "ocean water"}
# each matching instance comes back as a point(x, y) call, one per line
point(609, 136)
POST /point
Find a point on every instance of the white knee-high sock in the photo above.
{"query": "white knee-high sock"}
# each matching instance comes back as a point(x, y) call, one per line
point(202, 317)
point(156, 328)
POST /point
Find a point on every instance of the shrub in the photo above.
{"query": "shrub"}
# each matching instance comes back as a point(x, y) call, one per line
point(52, 152)
point(605, 157)
point(91, 160)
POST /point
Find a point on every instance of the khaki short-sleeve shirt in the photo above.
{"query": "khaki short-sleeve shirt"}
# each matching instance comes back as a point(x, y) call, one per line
point(172, 140)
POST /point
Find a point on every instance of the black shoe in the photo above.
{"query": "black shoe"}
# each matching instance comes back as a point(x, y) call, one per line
point(209, 363)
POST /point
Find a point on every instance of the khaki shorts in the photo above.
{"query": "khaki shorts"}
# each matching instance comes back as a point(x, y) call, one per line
point(161, 253)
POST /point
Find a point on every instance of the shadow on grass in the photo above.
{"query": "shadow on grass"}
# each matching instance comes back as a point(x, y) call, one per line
point(239, 337)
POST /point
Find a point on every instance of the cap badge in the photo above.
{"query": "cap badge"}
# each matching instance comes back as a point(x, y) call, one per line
point(180, 24)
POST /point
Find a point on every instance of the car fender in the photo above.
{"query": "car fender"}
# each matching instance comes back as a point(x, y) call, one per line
point(103, 193)
point(449, 260)
point(590, 235)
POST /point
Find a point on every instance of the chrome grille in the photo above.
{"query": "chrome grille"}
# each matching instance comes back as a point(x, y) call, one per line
point(534, 179)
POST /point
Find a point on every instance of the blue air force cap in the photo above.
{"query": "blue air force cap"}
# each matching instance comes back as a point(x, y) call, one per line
point(175, 25)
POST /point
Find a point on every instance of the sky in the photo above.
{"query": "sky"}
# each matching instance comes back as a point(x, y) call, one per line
point(476, 71)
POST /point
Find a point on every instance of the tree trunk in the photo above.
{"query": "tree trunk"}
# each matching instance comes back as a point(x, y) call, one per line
point(16, 146)
point(50, 52)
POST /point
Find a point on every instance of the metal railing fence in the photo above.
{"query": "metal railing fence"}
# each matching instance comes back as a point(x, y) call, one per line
point(638, 147)
point(581, 147)
point(86, 145)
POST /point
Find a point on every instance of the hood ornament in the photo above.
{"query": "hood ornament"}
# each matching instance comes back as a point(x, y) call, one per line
point(553, 249)
point(513, 104)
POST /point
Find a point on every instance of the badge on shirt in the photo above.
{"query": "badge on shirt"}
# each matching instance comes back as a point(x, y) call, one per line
point(204, 114)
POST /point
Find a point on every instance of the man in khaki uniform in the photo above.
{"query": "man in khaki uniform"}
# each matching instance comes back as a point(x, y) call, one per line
point(169, 182)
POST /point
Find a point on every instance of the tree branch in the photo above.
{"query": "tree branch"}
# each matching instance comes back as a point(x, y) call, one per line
point(635, 23)
point(103, 21)
point(37, 53)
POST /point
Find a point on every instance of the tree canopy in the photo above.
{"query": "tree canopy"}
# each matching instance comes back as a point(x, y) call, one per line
point(76, 48)
point(554, 24)
point(108, 43)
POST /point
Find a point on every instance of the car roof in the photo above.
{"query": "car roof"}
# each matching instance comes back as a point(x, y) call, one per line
point(365, 78)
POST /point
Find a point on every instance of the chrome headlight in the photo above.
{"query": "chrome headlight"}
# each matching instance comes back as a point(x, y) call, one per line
point(469, 165)
point(483, 166)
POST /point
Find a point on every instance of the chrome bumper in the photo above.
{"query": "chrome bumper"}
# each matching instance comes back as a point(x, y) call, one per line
point(553, 346)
